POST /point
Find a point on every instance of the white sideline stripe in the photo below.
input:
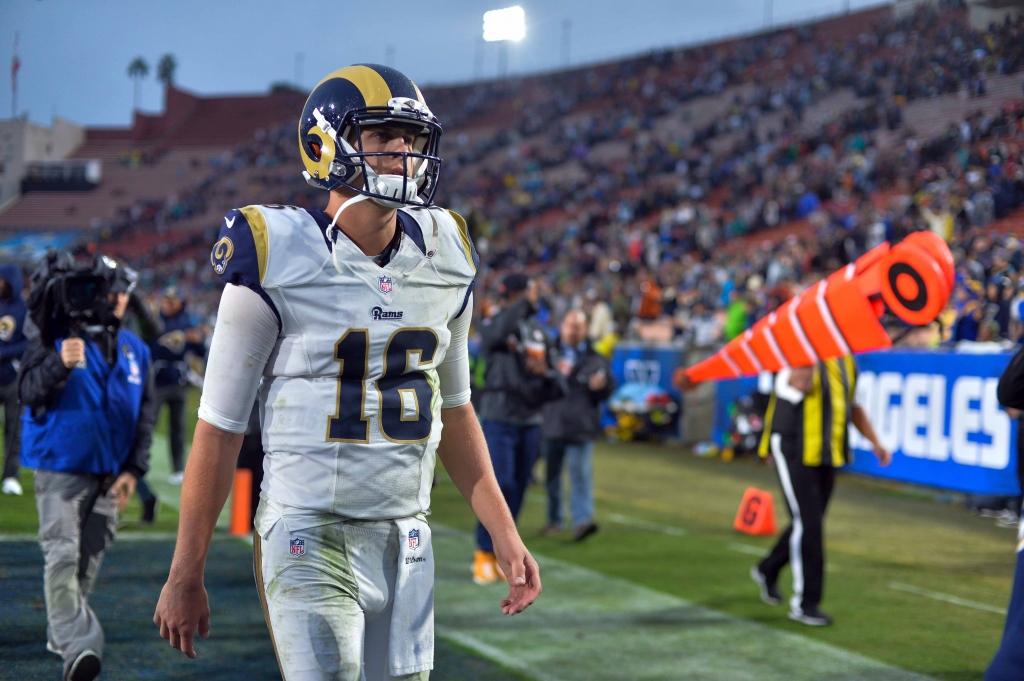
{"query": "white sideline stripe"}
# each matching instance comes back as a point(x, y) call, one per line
point(935, 595)
point(494, 654)
point(646, 525)
point(748, 549)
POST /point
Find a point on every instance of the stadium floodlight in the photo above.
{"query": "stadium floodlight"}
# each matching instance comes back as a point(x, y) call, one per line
point(505, 24)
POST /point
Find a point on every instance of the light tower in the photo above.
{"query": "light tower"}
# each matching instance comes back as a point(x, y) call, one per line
point(504, 26)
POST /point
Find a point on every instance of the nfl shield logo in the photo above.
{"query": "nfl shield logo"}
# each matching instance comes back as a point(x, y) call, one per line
point(298, 547)
point(385, 284)
point(414, 539)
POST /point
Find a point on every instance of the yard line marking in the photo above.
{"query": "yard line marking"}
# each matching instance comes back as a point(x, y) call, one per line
point(745, 548)
point(494, 653)
point(935, 595)
point(589, 626)
point(646, 525)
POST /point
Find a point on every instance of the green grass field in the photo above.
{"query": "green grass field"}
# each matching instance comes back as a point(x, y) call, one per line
point(917, 587)
point(891, 554)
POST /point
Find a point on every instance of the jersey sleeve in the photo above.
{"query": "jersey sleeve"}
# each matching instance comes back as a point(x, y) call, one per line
point(240, 255)
point(245, 335)
point(453, 372)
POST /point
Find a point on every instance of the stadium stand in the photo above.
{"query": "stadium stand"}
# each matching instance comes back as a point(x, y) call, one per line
point(740, 165)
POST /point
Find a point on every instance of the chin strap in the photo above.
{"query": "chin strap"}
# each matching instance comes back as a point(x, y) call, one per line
point(333, 229)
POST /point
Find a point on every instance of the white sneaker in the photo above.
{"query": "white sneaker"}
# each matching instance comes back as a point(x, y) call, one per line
point(1008, 519)
point(12, 486)
point(176, 478)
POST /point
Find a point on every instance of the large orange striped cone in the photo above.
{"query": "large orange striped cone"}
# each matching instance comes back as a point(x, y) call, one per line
point(839, 316)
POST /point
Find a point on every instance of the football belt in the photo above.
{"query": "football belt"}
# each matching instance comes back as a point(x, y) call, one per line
point(840, 315)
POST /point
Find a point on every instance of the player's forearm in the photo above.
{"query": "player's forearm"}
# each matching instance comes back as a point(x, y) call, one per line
point(463, 451)
point(208, 478)
point(863, 423)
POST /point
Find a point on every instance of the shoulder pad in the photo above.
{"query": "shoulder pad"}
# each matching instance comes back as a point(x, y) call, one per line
point(467, 243)
point(240, 255)
point(456, 258)
point(269, 246)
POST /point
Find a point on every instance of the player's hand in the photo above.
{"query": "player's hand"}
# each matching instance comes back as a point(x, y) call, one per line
point(598, 381)
point(883, 454)
point(183, 607)
point(72, 352)
point(523, 575)
point(122, 490)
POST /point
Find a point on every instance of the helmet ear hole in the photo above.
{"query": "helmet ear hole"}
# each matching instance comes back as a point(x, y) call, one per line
point(314, 147)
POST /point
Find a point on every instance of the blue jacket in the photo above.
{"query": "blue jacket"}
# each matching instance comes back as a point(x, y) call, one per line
point(170, 348)
point(12, 324)
point(97, 420)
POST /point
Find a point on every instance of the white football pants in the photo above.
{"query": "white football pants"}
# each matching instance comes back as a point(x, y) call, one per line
point(327, 593)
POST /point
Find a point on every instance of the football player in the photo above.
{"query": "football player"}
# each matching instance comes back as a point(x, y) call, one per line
point(351, 325)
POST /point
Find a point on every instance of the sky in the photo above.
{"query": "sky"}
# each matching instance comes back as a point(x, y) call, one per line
point(74, 55)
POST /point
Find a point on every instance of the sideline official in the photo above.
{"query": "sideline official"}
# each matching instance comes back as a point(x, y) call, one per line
point(806, 434)
point(86, 430)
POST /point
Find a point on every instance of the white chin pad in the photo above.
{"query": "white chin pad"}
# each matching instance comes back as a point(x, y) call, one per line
point(386, 187)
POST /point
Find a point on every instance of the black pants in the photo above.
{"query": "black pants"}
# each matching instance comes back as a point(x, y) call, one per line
point(174, 396)
point(251, 456)
point(12, 429)
point(807, 490)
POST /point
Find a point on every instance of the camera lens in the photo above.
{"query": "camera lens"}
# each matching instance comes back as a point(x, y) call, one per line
point(82, 294)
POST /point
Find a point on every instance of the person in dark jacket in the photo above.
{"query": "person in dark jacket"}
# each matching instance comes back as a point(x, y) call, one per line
point(179, 337)
point(86, 430)
point(1009, 659)
point(572, 423)
point(143, 323)
point(12, 345)
point(519, 379)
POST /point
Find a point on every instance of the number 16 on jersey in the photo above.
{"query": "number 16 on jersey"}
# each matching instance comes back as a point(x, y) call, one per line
point(404, 393)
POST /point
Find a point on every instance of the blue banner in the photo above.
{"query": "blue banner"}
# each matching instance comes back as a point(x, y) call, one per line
point(936, 412)
point(651, 364)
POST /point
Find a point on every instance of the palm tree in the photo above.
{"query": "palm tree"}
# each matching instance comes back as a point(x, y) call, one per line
point(165, 70)
point(138, 70)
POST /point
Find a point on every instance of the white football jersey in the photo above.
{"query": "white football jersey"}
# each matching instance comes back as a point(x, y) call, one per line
point(350, 400)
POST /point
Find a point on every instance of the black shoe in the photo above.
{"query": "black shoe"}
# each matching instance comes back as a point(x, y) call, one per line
point(86, 667)
point(769, 591)
point(811, 616)
point(584, 531)
point(149, 511)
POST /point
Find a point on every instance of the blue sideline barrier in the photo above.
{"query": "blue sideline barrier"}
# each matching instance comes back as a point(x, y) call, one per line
point(938, 413)
point(636, 362)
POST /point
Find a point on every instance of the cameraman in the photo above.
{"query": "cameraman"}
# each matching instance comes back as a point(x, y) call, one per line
point(86, 429)
point(518, 381)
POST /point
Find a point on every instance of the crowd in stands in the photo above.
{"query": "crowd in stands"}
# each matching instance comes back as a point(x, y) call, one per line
point(625, 187)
